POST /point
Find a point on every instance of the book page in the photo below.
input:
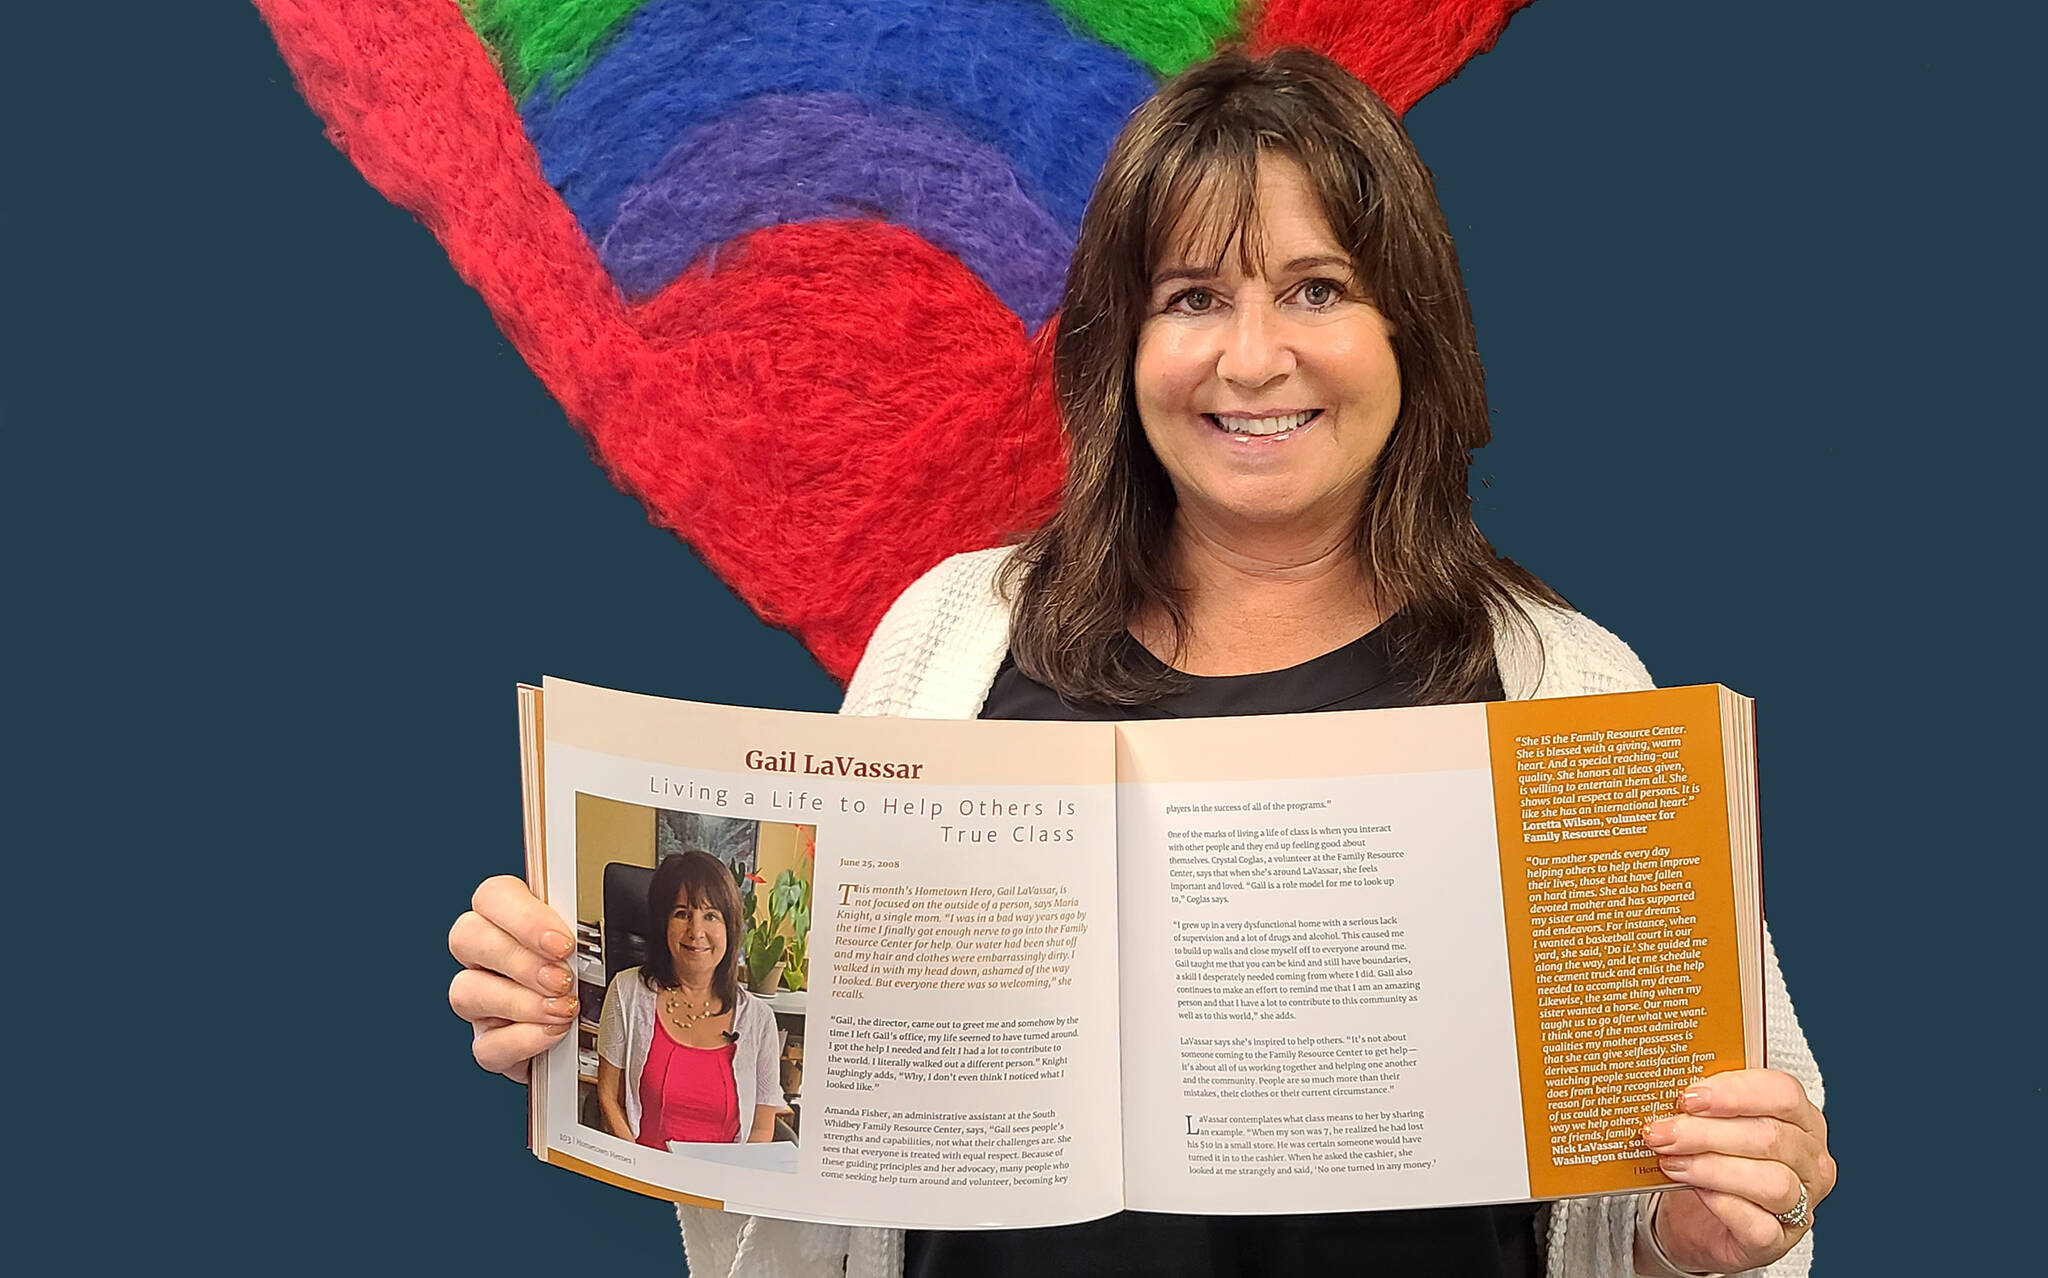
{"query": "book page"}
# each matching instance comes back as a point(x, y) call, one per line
point(1316, 995)
point(949, 1054)
point(1622, 924)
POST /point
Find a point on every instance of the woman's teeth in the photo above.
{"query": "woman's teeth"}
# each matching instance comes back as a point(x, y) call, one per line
point(1264, 425)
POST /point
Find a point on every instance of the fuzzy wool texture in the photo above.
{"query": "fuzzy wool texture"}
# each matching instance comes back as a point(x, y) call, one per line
point(1006, 72)
point(842, 381)
point(1402, 48)
point(806, 157)
point(817, 455)
point(555, 39)
point(1165, 35)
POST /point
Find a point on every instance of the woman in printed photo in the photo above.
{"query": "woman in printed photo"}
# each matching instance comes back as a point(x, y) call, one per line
point(684, 1054)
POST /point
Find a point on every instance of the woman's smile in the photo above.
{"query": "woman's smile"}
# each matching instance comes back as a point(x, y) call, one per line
point(1264, 427)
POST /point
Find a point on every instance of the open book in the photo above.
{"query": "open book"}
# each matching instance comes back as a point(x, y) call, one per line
point(1036, 973)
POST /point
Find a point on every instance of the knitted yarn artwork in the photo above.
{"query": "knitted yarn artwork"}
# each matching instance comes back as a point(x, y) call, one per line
point(818, 157)
point(791, 266)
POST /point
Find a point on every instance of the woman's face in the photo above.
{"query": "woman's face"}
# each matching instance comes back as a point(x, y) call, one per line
point(1267, 396)
point(696, 940)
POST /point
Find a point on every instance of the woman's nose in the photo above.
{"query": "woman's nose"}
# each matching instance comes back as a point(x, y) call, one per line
point(1255, 349)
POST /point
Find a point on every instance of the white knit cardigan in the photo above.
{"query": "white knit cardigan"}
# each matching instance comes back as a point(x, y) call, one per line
point(934, 656)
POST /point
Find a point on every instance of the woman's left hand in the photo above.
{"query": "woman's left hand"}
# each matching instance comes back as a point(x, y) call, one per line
point(1744, 1143)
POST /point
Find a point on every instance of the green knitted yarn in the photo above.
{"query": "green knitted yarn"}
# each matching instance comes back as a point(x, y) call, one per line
point(556, 39)
point(1165, 35)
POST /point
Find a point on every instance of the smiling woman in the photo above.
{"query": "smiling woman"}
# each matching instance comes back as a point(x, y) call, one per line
point(684, 1054)
point(1266, 367)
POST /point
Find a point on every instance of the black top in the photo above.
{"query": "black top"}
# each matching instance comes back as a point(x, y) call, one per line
point(1361, 675)
point(1454, 1242)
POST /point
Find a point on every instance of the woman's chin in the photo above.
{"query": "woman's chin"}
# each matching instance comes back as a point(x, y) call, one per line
point(1263, 512)
point(694, 970)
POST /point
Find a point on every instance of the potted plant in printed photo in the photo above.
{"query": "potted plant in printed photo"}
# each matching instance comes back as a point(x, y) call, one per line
point(789, 902)
point(763, 950)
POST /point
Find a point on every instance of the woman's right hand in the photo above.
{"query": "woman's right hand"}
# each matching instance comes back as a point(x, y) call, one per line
point(515, 989)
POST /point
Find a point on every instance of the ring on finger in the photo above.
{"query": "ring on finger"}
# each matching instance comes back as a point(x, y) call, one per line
point(1797, 1218)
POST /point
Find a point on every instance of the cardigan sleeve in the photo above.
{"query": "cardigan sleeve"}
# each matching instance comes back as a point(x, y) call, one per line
point(886, 677)
point(937, 647)
point(767, 1068)
point(883, 661)
point(611, 1026)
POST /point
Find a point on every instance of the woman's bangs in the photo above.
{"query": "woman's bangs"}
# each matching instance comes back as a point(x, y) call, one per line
point(1205, 200)
point(700, 891)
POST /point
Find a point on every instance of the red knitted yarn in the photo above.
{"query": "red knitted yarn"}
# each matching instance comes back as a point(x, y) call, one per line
point(1402, 48)
point(832, 409)
point(862, 407)
point(411, 97)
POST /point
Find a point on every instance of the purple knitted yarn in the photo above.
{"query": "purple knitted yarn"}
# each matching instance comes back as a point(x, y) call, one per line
point(806, 157)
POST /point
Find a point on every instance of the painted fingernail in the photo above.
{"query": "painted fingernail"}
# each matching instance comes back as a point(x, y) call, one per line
point(1693, 1100)
point(1661, 1132)
point(1674, 1165)
point(556, 978)
point(555, 945)
point(560, 1006)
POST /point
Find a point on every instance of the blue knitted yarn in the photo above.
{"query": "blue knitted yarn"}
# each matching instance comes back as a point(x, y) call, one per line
point(1005, 72)
point(829, 155)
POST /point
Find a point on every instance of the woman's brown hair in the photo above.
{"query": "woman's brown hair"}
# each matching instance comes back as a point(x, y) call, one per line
point(1190, 155)
point(704, 882)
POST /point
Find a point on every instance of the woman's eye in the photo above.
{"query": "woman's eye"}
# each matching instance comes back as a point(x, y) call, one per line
point(1194, 301)
point(1320, 294)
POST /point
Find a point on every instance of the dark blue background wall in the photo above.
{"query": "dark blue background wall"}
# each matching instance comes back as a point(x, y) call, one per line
point(287, 519)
